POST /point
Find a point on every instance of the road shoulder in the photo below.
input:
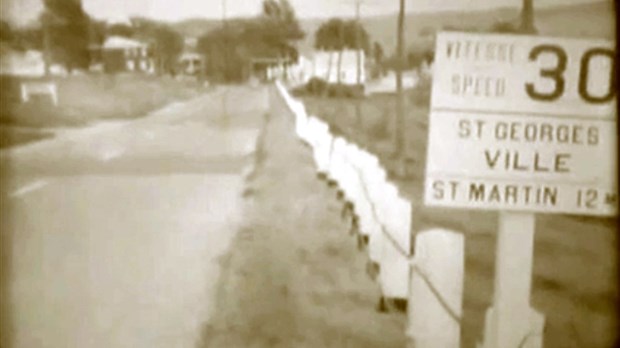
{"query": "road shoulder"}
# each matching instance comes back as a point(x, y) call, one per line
point(293, 276)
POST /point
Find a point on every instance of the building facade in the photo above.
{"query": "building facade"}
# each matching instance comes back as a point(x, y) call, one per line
point(340, 66)
point(119, 54)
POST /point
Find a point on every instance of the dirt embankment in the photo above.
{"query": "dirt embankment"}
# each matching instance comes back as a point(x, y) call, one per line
point(294, 276)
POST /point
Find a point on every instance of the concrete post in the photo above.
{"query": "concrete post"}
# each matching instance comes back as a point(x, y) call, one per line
point(511, 322)
point(436, 296)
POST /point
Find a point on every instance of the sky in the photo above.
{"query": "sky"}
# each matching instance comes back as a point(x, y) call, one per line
point(21, 12)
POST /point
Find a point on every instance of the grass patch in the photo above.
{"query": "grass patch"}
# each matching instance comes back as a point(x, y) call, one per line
point(12, 136)
point(87, 98)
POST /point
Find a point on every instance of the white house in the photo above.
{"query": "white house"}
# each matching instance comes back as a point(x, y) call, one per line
point(298, 73)
point(325, 66)
point(121, 54)
point(191, 62)
point(28, 63)
point(387, 83)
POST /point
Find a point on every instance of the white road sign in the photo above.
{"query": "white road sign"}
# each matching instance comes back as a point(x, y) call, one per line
point(523, 123)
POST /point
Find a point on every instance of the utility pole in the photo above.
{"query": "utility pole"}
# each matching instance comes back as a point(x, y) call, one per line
point(527, 18)
point(399, 124)
point(225, 65)
point(358, 4)
point(341, 43)
point(48, 18)
point(358, 58)
point(225, 33)
point(47, 49)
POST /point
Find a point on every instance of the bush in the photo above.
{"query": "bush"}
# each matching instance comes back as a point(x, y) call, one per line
point(345, 91)
point(421, 94)
point(316, 86)
point(319, 87)
point(503, 28)
point(379, 130)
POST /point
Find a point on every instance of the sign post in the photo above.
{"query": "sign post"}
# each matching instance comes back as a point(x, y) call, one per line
point(521, 125)
point(511, 322)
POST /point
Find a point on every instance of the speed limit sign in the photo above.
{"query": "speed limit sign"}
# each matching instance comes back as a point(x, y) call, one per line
point(523, 123)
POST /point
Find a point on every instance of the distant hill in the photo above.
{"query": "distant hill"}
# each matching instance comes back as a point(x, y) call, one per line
point(196, 27)
point(383, 28)
point(581, 20)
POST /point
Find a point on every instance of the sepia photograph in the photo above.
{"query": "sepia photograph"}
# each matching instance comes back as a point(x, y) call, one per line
point(309, 173)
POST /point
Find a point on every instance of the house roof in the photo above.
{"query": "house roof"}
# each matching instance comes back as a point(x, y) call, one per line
point(115, 42)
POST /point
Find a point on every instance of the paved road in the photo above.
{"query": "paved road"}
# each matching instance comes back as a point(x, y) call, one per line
point(111, 234)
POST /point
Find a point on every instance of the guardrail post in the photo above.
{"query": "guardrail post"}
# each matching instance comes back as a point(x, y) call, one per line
point(24, 92)
point(436, 290)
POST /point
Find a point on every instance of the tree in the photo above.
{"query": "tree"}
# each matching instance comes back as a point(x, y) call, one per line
point(336, 35)
point(97, 32)
point(416, 58)
point(120, 29)
point(378, 56)
point(278, 28)
point(66, 33)
point(222, 62)
point(230, 48)
point(167, 43)
point(377, 52)
point(6, 33)
point(280, 19)
point(28, 38)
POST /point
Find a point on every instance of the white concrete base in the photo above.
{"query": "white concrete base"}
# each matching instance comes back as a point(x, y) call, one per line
point(436, 298)
point(394, 273)
point(522, 328)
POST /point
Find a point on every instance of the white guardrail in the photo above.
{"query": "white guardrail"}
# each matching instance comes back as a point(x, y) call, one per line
point(431, 279)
